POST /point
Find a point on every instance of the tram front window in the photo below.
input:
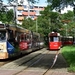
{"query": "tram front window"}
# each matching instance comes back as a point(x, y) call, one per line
point(2, 35)
point(54, 39)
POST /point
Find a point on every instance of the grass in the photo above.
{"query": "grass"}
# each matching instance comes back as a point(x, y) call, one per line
point(69, 54)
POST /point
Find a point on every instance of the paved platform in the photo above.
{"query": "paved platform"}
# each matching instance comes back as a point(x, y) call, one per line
point(8, 72)
point(34, 72)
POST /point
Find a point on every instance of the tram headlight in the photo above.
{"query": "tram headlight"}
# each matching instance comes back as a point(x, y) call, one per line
point(59, 47)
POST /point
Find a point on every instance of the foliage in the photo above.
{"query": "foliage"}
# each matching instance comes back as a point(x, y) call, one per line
point(10, 16)
point(6, 16)
point(1, 6)
point(69, 54)
point(28, 24)
point(3, 16)
point(67, 18)
point(53, 18)
point(61, 4)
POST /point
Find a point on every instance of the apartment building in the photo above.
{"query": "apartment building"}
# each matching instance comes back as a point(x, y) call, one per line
point(27, 10)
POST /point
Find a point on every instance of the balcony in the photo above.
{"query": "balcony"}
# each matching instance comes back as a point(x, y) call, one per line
point(20, 18)
point(30, 13)
point(39, 9)
point(20, 8)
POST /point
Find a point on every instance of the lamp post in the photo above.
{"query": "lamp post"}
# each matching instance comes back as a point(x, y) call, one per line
point(36, 26)
point(66, 28)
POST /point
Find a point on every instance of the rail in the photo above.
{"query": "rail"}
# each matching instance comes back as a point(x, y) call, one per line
point(54, 61)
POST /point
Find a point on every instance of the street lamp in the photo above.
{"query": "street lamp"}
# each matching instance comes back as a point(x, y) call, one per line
point(36, 26)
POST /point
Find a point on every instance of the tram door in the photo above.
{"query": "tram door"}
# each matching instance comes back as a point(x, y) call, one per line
point(23, 43)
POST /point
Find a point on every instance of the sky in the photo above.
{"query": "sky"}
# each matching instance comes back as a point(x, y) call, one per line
point(41, 2)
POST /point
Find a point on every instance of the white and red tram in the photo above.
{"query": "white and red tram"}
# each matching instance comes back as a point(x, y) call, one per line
point(54, 41)
point(16, 40)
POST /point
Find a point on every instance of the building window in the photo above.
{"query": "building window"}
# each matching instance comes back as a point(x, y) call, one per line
point(25, 10)
point(36, 11)
point(25, 6)
point(31, 7)
point(20, 11)
point(31, 11)
point(35, 6)
point(32, 16)
point(40, 7)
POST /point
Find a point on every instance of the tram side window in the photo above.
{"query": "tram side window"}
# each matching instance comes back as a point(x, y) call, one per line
point(11, 36)
point(22, 37)
point(2, 35)
point(28, 38)
point(18, 37)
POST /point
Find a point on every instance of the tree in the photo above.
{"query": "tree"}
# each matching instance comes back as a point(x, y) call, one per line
point(68, 16)
point(10, 16)
point(60, 4)
point(68, 19)
point(2, 13)
point(49, 21)
point(28, 24)
point(7, 16)
point(1, 0)
point(1, 6)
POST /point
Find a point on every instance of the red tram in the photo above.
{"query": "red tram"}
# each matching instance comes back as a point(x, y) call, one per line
point(54, 41)
point(67, 40)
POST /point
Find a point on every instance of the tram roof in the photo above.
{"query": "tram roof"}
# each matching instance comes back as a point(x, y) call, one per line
point(18, 28)
point(4, 26)
point(54, 34)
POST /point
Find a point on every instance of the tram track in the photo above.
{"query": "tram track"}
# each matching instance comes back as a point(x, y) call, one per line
point(33, 61)
point(54, 61)
point(41, 57)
